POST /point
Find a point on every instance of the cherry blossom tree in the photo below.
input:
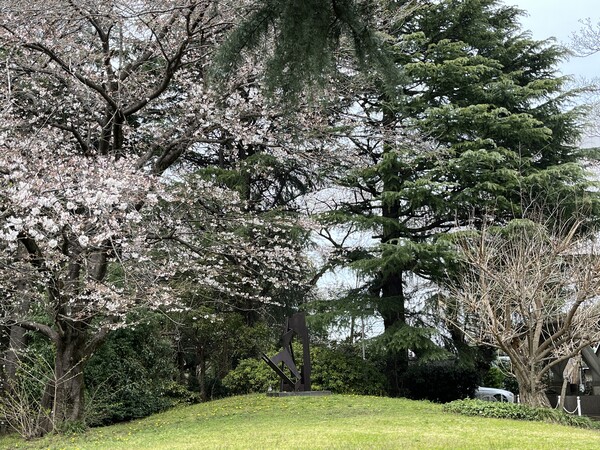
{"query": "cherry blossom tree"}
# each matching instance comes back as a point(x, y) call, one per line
point(86, 239)
point(80, 74)
point(73, 253)
point(106, 116)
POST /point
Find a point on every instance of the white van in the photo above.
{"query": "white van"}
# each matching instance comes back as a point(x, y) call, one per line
point(494, 395)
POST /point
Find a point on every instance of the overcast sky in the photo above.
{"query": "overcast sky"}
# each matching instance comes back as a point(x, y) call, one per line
point(560, 19)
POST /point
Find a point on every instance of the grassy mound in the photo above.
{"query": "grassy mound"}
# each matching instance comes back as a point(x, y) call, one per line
point(258, 422)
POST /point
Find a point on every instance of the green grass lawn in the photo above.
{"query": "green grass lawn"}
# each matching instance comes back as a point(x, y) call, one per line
point(333, 422)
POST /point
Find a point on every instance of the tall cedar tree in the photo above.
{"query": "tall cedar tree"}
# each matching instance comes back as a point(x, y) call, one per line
point(299, 40)
point(491, 105)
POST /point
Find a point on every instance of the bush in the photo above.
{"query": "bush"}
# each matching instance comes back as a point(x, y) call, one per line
point(130, 376)
point(342, 371)
point(441, 381)
point(339, 370)
point(504, 410)
point(251, 375)
point(497, 378)
point(494, 378)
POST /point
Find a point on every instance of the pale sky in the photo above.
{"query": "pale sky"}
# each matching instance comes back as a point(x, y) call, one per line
point(560, 19)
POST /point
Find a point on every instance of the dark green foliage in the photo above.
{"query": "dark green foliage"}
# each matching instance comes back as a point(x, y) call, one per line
point(300, 39)
point(342, 371)
point(418, 339)
point(504, 410)
point(251, 375)
point(489, 94)
point(497, 378)
point(211, 341)
point(500, 139)
point(287, 178)
point(130, 375)
point(510, 384)
point(441, 381)
point(493, 378)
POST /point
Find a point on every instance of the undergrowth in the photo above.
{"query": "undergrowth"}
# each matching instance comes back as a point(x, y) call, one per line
point(504, 410)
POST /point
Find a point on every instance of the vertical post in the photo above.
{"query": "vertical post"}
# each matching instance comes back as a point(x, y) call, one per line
point(578, 405)
point(557, 402)
point(362, 337)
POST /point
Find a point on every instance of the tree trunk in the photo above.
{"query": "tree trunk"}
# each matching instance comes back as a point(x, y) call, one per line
point(392, 301)
point(531, 391)
point(536, 399)
point(17, 344)
point(201, 373)
point(392, 310)
point(563, 394)
point(68, 388)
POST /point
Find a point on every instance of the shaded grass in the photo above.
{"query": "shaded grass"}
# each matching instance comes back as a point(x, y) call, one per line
point(334, 422)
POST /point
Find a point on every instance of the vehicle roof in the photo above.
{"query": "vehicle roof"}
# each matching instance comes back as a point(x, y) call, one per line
point(493, 390)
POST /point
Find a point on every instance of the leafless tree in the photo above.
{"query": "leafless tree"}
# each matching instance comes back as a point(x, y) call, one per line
point(531, 293)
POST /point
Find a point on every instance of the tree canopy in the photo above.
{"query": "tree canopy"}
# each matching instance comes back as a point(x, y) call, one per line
point(168, 166)
point(482, 133)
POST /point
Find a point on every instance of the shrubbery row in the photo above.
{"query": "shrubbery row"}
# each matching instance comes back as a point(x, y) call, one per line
point(503, 410)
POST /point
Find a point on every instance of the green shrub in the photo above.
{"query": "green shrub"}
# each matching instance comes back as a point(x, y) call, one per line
point(339, 370)
point(251, 375)
point(504, 410)
point(130, 376)
point(494, 378)
point(510, 384)
point(441, 381)
point(342, 371)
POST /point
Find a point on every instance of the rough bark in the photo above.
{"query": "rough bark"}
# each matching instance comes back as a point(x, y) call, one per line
point(391, 303)
point(69, 388)
point(532, 392)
